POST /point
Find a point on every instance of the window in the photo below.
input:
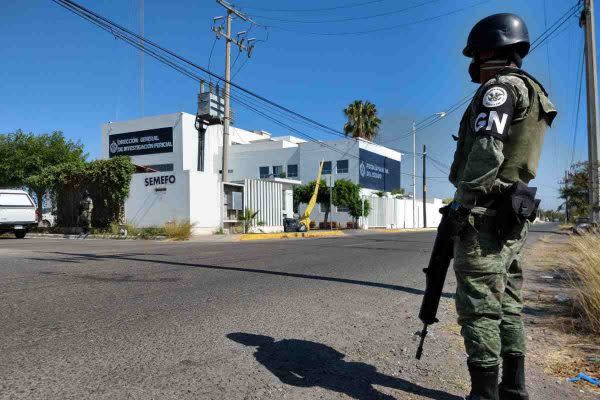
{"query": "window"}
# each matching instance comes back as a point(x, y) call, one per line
point(343, 209)
point(292, 171)
point(327, 168)
point(278, 171)
point(146, 169)
point(263, 172)
point(342, 166)
point(160, 167)
point(15, 200)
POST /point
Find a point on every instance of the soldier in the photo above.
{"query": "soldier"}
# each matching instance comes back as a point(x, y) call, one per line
point(86, 206)
point(498, 149)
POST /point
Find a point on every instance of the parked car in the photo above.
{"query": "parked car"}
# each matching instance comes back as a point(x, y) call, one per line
point(17, 212)
point(582, 225)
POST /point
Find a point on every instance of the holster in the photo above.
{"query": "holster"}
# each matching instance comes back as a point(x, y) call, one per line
point(517, 205)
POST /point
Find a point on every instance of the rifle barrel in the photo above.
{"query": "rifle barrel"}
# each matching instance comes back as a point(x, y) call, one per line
point(420, 348)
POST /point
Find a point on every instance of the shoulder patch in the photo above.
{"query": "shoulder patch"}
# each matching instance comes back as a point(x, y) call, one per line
point(495, 97)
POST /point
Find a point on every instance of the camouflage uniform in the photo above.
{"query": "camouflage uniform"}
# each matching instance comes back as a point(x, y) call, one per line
point(86, 206)
point(499, 143)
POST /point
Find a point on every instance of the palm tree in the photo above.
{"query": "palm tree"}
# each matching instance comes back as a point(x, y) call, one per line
point(362, 120)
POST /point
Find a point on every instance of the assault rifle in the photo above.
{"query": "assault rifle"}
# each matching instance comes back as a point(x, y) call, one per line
point(435, 273)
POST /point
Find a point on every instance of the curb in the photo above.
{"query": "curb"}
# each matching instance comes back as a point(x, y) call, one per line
point(290, 235)
point(404, 230)
point(89, 237)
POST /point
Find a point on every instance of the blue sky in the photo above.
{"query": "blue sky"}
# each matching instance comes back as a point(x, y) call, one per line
point(59, 72)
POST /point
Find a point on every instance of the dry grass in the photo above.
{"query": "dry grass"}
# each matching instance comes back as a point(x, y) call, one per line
point(584, 271)
point(560, 336)
point(178, 230)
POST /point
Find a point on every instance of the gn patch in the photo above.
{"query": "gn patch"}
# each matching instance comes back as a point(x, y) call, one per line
point(494, 113)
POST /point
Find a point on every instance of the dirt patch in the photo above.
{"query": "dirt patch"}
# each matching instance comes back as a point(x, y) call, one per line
point(557, 341)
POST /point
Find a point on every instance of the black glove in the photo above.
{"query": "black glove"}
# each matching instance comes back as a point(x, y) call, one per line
point(459, 216)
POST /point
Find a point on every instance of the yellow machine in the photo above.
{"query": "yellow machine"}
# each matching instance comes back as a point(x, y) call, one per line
point(305, 220)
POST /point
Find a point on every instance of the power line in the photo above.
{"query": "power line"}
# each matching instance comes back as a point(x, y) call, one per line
point(345, 19)
point(452, 109)
point(240, 68)
point(313, 9)
point(210, 54)
point(173, 64)
point(561, 21)
point(386, 28)
point(112, 27)
point(547, 47)
point(543, 37)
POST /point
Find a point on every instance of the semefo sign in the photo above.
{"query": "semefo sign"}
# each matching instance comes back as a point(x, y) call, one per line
point(150, 141)
point(378, 172)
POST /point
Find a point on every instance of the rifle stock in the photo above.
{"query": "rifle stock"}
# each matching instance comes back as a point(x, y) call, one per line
point(435, 274)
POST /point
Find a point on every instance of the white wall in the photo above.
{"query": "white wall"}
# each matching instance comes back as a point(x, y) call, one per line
point(245, 164)
point(388, 212)
point(146, 207)
point(204, 200)
point(193, 197)
point(266, 198)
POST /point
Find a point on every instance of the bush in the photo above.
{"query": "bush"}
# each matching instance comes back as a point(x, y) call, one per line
point(131, 231)
point(584, 271)
point(178, 230)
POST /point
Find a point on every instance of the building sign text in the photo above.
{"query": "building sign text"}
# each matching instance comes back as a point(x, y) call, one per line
point(378, 172)
point(150, 141)
point(159, 180)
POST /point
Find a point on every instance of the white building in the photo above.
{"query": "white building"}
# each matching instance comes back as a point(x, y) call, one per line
point(176, 184)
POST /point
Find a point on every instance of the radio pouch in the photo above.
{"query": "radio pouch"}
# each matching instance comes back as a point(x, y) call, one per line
point(518, 205)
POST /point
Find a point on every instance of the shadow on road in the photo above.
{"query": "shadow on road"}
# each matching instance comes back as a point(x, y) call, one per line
point(565, 233)
point(309, 364)
point(75, 257)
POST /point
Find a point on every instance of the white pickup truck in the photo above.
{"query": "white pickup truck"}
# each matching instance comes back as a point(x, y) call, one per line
point(17, 212)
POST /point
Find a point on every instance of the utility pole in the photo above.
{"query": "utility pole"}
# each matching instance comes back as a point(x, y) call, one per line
point(231, 12)
point(414, 174)
point(142, 59)
point(331, 200)
point(243, 45)
point(587, 22)
point(424, 186)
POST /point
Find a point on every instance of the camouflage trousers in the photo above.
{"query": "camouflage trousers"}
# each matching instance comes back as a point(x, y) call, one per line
point(489, 299)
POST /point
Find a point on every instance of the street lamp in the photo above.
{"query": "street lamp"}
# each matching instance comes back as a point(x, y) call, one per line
point(439, 115)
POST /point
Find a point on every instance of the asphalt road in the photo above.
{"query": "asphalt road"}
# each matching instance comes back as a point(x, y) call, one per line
point(296, 319)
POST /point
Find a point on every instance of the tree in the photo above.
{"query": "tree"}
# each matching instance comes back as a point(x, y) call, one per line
point(575, 190)
point(362, 120)
point(107, 182)
point(344, 193)
point(24, 156)
point(347, 194)
point(398, 193)
point(357, 207)
point(303, 193)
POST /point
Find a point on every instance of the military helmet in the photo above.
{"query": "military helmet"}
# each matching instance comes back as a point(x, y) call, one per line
point(499, 31)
